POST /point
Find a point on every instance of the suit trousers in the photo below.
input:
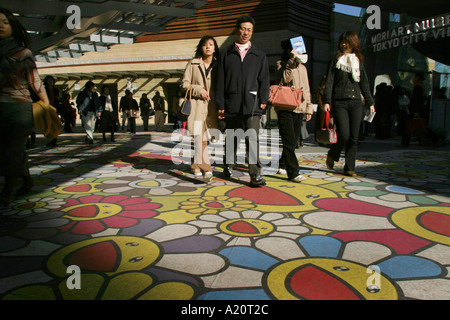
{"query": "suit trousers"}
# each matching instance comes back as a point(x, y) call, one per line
point(289, 125)
point(89, 124)
point(243, 126)
point(347, 117)
point(159, 120)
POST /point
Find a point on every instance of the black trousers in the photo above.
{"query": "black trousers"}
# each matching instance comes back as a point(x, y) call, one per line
point(289, 125)
point(347, 116)
point(132, 123)
point(247, 127)
point(16, 124)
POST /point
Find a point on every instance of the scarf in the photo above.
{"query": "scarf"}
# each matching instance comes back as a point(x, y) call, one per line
point(108, 103)
point(8, 47)
point(349, 62)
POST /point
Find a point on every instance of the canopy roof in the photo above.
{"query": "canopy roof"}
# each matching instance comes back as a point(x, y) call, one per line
point(103, 23)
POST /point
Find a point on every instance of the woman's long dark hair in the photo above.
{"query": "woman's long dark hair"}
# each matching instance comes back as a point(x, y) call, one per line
point(198, 51)
point(19, 33)
point(352, 38)
point(287, 48)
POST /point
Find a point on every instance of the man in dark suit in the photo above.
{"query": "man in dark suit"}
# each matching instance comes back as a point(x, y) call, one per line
point(242, 94)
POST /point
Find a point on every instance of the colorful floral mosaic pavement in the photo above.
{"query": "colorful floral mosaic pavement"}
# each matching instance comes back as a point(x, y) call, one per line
point(139, 225)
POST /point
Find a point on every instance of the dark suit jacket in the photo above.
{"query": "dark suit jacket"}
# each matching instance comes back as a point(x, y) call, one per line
point(237, 82)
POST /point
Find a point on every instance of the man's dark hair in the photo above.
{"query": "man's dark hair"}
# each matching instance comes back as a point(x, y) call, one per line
point(89, 85)
point(243, 19)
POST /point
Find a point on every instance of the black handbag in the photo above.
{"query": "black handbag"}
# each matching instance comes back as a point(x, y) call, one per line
point(326, 134)
point(186, 105)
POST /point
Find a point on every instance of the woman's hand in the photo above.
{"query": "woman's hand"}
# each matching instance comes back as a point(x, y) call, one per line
point(326, 107)
point(308, 116)
point(372, 109)
point(204, 94)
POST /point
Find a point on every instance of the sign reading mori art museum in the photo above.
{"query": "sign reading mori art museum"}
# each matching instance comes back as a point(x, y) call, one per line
point(420, 31)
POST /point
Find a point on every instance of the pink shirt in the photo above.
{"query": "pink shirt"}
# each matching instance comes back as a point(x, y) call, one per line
point(243, 49)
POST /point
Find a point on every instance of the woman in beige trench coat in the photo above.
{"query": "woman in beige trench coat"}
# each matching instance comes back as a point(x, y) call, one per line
point(200, 76)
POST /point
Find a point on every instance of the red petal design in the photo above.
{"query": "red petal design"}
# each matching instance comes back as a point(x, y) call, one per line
point(97, 257)
point(84, 212)
point(313, 283)
point(436, 222)
point(139, 214)
point(264, 195)
point(119, 222)
point(114, 199)
point(88, 227)
point(78, 188)
point(398, 240)
point(131, 201)
point(214, 204)
point(91, 199)
point(243, 227)
point(353, 206)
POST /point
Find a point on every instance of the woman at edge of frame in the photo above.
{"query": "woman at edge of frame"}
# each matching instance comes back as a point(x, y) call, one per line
point(18, 73)
point(346, 82)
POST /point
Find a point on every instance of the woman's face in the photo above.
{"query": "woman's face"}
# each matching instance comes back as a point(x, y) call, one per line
point(345, 47)
point(5, 27)
point(208, 48)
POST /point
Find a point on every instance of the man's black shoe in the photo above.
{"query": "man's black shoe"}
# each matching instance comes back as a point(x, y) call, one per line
point(227, 172)
point(257, 181)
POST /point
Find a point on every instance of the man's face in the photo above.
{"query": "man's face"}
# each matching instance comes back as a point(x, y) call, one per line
point(244, 32)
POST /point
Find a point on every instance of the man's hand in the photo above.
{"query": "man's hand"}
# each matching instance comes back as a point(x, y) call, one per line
point(263, 106)
point(221, 114)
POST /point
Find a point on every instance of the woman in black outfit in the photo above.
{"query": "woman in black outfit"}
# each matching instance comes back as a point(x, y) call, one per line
point(346, 81)
point(108, 118)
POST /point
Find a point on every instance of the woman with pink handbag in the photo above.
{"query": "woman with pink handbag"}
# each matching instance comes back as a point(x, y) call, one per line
point(346, 82)
point(293, 73)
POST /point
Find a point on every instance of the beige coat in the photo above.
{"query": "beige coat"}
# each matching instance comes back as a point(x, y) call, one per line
point(202, 112)
point(299, 77)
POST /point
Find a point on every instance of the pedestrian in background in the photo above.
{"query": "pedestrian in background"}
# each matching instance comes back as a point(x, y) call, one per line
point(90, 109)
point(124, 106)
point(54, 97)
point(145, 106)
point(158, 105)
point(109, 113)
point(132, 113)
